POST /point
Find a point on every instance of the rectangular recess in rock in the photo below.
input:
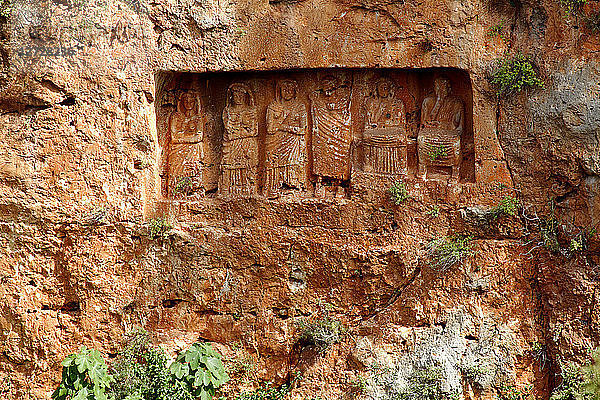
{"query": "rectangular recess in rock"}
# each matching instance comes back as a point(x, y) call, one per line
point(309, 132)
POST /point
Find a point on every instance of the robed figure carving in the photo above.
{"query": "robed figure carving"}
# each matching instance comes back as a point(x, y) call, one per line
point(442, 125)
point(286, 140)
point(186, 148)
point(239, 162)
point(384, 136)
point(332, 136)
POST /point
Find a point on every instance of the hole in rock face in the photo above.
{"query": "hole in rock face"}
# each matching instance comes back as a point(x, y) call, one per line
point(312, 132)
point(69, 101)
point(72, 306)
point(170, 303)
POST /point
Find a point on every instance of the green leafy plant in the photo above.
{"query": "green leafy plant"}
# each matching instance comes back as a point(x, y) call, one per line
point(445, 252)
point(84, 377)
point(573, 384)
point(399, 193)
point(573, 6)
point(424, 384)
point(140, 372)
point(549, 234)
point(183, 185)
point(592, 376)
point(514, 393)
point(514, 74)
point(434, 212)
point(266, 392)
point(5, 8)
point(437, 152)
point(322, 332)
point(497, 31)
point(159, 228)
point(540, 353)
point(508, 206)
point(200, 370)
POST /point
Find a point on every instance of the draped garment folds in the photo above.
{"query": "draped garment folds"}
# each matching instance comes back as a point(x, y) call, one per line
point(286, 144)
point(331, 136)
point(186, 152)
point(239, 164)
point(440, 134)
point(384, 137)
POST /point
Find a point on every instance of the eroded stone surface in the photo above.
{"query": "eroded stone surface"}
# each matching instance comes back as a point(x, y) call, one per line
point(82, 166)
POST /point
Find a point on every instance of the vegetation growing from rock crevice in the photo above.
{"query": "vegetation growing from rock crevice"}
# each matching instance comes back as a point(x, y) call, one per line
point(266, 392)
point(508, 206)
point(573, 5)
point(592, 21)
point(141, 372)
point(443, 253)
point(573, 384)
point(159, 228)
point(84, 377)
point(398, 193)
point(322, 332)
point(4, 8)
point(425, 384)
point(514, 74)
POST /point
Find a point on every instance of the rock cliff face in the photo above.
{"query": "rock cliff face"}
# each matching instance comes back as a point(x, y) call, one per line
point(84, 168)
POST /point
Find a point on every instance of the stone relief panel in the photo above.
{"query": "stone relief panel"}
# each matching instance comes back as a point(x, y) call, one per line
point(185, 159)
point(331, 133)
point(441, 128)
point(307, 133)
point(385, 136)
point(287, 130)
point(239, 161)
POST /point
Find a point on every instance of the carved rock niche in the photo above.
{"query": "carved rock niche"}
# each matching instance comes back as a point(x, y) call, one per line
point(311, 132)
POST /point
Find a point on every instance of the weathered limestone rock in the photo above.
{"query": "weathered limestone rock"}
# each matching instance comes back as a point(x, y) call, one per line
point(88, 114)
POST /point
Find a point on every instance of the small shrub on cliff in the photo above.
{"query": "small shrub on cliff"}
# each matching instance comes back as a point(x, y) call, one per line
point(443, 253)
point(592, 21)
point(266, 392)
point(514, 393)
point(200, 370)
point(424, 384)
point(592, 375)
point(573, 384)
point(84, 377)
point(508, 206)
point(497, 31)
point(321, 333)
point(514, 74)
point(159, 228)
point(573, 6)
point(4, 8)
point(183, 186)
point(141, 372)
point(399, 193)
point(549, 234)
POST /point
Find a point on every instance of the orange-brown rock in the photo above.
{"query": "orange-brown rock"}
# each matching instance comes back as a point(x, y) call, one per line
point(87, 91)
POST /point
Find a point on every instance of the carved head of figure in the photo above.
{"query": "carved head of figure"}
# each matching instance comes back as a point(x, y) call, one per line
point(239, 94)
point(442, 87)
point(329, 84)
point(288, 89)
point(187, 102)
point(384, 88)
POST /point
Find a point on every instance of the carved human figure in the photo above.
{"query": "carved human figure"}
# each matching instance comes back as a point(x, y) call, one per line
point(331, 134)
point(384, 136)
point(239, 162)
point(186, 147)
point(286, 140)
point(441, 128)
